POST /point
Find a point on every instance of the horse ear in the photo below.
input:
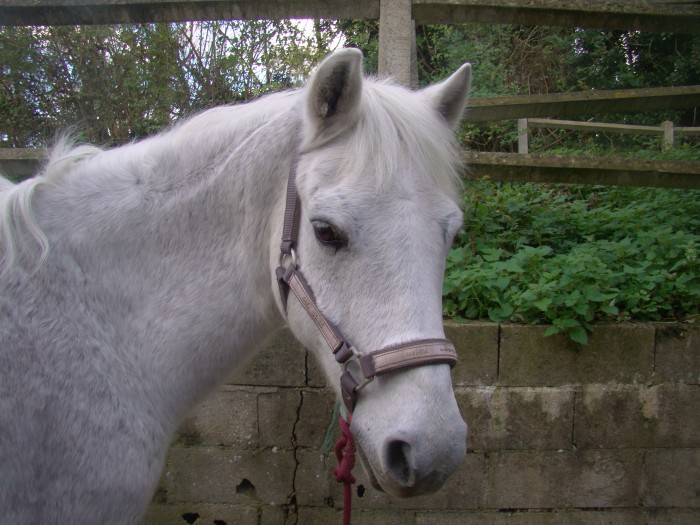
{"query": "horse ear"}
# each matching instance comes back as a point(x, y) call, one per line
point(449, 97)
point(335, 90)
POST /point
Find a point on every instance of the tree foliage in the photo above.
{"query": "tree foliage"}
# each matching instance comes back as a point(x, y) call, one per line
point(121, 82)
point(520, 60)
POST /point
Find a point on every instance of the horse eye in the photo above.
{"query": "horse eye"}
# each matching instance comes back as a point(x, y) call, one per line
point(329, 235)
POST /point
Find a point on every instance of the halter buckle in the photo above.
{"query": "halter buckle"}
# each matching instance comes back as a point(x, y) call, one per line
point(349, 385)
point(356, 357)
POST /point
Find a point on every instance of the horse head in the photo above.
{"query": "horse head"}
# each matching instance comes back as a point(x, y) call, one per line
point(378, 190)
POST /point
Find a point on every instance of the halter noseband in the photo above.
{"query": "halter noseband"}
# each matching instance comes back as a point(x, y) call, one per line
point(389, 359)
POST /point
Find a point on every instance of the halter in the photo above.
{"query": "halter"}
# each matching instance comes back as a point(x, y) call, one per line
point(379, 362)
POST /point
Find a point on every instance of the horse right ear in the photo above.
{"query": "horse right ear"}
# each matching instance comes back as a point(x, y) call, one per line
point(334, 93)
point(449, 97)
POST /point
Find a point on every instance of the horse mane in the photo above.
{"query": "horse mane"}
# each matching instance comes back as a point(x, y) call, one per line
point(16, 200)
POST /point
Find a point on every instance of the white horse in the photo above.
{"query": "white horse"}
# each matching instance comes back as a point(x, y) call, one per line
point(135, 280)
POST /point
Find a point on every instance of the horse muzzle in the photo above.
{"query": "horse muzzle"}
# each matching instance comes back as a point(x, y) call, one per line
point(412, 464)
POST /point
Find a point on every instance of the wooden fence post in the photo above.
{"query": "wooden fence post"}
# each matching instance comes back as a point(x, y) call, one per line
point(397, 42)
point(667, 141)
point(522, 136)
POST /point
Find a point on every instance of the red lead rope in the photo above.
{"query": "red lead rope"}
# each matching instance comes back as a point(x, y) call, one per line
point(345, 453)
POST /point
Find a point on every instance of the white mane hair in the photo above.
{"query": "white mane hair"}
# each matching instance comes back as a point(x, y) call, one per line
point(16, 200)
point(235, 121)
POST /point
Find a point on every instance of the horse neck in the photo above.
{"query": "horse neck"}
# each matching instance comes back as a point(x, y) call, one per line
point(171, 254)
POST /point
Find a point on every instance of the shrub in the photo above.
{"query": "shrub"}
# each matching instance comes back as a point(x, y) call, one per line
point(570, 256)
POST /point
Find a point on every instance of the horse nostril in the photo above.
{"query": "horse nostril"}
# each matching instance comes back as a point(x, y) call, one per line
point(399, 462)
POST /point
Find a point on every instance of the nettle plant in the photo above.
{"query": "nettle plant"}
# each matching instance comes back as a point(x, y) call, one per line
point(570, 256)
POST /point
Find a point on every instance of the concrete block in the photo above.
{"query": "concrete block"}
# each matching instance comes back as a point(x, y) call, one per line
point(566, 479)
point(672, 478)
point(227, 418)
point(273, 515)
point(315, 376)
point(528, 517)
point(477, 351)
point(637, 416)
point(678, 353)
point(517, 417)
point(200, 513)
point(280, 362)
point(385, 517)
point(319, 515)
point(316, 486)
point(621, 353)
point(315, 417)
point(671, 517)
point(326, 516)
point(238, 477)
point(278, 413)
point(450, 517)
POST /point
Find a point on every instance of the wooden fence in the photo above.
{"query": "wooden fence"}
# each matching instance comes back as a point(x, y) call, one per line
point(667, 131)
point(397, 59)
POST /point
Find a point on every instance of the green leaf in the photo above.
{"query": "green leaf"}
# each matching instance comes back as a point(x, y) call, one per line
point(492, 254)
point(501, 313)
point(551, 330)
point(542, 304)
point(579, 335)
point(609, 309)
point(567, 322)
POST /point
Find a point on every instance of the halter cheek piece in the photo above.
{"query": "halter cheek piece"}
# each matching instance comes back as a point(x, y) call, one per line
point(383, 361)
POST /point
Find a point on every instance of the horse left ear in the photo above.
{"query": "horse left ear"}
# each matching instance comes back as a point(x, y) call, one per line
point(335, 91)
point(449, 97)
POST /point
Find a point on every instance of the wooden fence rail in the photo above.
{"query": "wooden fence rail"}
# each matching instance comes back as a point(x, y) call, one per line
point(582, 103)
point(23, 162)
point(667, 131)
point(679, 16)
point(615, 171)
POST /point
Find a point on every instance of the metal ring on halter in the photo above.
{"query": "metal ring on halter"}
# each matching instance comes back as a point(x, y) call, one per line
point(356, 355)
point(293, 254)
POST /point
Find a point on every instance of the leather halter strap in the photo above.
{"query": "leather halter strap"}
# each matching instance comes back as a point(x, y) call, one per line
point(383, 361)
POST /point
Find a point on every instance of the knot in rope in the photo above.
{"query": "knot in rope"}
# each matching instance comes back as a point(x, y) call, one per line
point(345, 454)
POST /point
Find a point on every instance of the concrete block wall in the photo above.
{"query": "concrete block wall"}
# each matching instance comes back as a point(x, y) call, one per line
point(558, 434)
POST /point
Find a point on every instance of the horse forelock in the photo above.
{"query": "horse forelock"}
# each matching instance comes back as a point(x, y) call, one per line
point(399, 131)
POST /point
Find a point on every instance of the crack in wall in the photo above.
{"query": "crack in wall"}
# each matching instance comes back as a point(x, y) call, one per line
point(292, 517)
